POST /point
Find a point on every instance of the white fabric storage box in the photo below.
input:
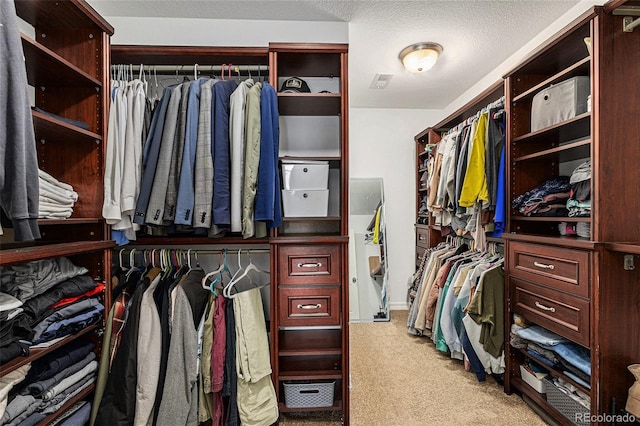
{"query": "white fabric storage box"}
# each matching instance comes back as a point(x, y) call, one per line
point(305, 202)
point(559, 102)
point(531, 380)
point(305, 174)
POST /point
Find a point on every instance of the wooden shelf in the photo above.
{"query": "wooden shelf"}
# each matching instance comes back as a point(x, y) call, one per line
point(569, 151)
point(580, 68)
point(550, 219)
point(574, 128)
point(309, 104)
point(309, 351)
point(52, 14)
point(34, 354)
point(574, 242)
point(12, 256)
point(556, 372)
point(70, 222)
point(79, 397)
point(45, 67)
point(310, 375)
point(181, 55)
point(305, 219)
point(629, 248)
point(302, 158)
point(50, 129)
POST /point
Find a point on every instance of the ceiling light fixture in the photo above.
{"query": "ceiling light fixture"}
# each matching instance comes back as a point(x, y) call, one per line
point(420, 57)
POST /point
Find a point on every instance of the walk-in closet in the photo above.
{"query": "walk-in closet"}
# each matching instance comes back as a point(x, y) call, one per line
point(319, 213)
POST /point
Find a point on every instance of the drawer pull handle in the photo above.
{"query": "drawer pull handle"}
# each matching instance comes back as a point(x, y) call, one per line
point(316, 306)
point(544, 308)
point(310, 265)
point(543, 265)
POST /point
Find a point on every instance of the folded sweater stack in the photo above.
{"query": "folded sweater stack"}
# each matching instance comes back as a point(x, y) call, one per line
point(56, 198)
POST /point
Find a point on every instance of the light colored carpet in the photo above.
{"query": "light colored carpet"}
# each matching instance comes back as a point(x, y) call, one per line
point(400, 379)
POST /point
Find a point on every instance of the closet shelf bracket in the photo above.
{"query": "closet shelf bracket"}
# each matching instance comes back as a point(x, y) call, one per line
point(628, 22)
point(628, 263)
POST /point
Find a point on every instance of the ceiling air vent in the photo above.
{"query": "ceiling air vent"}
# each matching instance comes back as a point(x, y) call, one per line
point(380, 81)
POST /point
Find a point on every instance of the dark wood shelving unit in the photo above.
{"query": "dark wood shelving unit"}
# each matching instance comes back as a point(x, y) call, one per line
point(583, 279)
point(310, 304)
point(68, 66)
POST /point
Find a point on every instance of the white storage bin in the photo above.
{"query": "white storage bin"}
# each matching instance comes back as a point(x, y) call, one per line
point(305, 174)
point(559, 102)
point(531, 380)
point(305, 202)
point(308, 395)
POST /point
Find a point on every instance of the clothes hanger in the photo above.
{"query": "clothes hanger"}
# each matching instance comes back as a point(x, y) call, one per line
point(120, 262)
point(251, 267)
point(227, 288)
point(219, 272)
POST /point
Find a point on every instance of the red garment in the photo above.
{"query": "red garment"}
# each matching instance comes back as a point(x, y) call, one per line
point(217, 359)
point(68, 300)
point(219, 345)
point(119, 316)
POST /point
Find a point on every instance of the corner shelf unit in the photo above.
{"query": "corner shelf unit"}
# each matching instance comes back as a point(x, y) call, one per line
point(578, 286)
point(67, 66)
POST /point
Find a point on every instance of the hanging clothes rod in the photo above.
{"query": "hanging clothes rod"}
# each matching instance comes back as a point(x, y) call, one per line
point(172, 69)
point(200, 251)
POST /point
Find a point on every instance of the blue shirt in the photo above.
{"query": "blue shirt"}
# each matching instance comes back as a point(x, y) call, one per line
point(268, 191)
point(221, 163)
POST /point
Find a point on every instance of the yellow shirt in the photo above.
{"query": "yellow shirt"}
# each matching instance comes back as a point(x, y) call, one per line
point(474, 187)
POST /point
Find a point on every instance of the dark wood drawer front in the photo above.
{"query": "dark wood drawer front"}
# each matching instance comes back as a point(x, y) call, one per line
point(309, 306)
point(560, 268)
point(422, 237)
point(561, 313)
point(312, 264)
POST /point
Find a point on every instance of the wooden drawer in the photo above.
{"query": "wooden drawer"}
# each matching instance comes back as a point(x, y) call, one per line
point(559, 312)
point(309, 264)
point(422, 237)
point(560, 268)
point(309, 306)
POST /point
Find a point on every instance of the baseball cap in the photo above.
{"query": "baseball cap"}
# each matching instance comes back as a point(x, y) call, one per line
point(295, 85)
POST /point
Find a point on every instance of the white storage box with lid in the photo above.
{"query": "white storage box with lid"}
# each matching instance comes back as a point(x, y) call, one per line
point(305, 202)
point(299, 174)
point(308, 395)
point(559, 102)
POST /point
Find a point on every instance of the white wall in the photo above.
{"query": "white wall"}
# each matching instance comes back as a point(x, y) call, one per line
point(223, 32)
point(381, 145)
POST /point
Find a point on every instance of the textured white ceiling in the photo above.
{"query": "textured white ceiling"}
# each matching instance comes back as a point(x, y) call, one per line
point(477, 36)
